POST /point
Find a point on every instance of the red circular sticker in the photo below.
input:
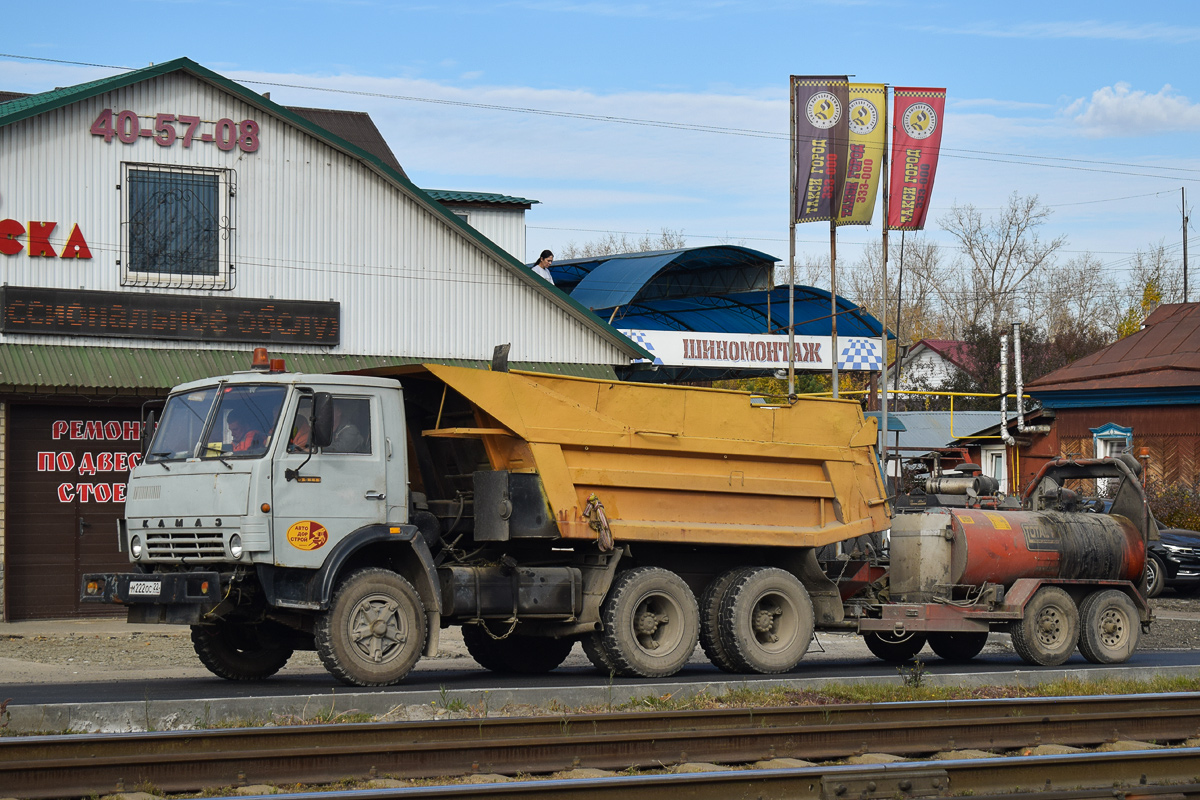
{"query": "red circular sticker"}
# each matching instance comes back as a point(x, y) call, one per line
point(307, 535)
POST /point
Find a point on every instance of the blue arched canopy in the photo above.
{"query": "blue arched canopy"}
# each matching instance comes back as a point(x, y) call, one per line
point(715, 289)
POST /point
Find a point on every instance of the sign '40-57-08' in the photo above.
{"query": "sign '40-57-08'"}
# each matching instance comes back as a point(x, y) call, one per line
point(126, 126)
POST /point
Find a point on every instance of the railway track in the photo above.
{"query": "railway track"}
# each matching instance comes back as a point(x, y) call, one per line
point(177, 761)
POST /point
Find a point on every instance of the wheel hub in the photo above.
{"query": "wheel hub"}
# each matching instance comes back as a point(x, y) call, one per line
point(377, 631)
point(1049, 627)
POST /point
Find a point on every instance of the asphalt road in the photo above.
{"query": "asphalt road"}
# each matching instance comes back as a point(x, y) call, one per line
point(422, 682)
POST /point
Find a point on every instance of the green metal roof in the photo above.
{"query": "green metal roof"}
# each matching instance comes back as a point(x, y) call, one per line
point(477, 197)
point(25, 107)
point(26, 366)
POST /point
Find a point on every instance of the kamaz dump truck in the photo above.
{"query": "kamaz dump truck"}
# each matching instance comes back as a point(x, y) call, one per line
point(358, 516)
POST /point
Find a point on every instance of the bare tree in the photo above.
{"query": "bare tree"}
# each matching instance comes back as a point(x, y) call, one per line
point(1156, 264)
point(1076, 296)
point(923, 312)
point(611, 244)
point(999, 255)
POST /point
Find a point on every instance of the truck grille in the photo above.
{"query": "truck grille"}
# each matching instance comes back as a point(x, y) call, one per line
point(185, 545)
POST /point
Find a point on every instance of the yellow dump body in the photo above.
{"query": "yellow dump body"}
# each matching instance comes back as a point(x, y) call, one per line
point(680, 464)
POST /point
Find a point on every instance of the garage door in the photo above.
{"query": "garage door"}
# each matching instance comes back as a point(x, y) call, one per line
point(66, 474)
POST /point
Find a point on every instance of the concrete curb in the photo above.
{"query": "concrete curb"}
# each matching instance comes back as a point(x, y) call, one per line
point(161, 715)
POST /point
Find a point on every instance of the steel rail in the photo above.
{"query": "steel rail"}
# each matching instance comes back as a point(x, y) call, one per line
point(55, 766)
point(1087, 776)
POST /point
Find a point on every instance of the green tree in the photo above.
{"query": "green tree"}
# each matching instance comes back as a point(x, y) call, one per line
point(1152, 297)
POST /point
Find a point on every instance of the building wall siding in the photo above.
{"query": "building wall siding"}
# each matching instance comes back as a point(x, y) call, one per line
point(311, 223)
point(503, 226)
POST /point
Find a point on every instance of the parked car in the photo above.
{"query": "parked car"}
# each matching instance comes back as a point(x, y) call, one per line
point(1173, 561)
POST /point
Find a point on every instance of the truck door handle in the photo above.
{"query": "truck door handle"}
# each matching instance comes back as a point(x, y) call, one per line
point(374, 495)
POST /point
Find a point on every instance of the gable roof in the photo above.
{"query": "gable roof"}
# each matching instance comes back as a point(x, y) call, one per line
point(950, 350)
point(355, 127)
point(25, 107)
point(482, 199)
point(1165, 353)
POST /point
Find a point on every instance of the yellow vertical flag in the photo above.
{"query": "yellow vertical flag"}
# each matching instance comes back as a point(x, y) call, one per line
point(868, 138)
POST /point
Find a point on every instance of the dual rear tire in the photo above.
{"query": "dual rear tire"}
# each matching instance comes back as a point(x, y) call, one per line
point(756, 620)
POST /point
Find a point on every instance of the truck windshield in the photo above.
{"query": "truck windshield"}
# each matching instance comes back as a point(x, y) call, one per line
point(242, 426)
point(178, 434)
point(244, 423)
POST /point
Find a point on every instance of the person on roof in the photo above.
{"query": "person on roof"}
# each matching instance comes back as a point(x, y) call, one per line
point(542, 267)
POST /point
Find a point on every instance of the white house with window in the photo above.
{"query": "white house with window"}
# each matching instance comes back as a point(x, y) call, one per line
point(156, 226)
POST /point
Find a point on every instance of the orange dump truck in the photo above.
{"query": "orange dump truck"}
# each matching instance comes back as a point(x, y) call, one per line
point(358, 516)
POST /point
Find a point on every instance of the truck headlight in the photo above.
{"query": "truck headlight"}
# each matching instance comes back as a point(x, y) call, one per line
point(135, 546)
point(235, 546)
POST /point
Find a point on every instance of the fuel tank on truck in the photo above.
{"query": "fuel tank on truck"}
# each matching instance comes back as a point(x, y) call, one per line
point(970, 547)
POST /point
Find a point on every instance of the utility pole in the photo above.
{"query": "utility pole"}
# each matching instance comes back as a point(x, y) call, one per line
point(1183, 211)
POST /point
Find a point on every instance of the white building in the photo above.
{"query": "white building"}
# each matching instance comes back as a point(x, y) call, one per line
point(155, 227)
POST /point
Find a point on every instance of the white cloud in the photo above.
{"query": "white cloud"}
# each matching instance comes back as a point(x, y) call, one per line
point(1081, 29)
point(1121, 111)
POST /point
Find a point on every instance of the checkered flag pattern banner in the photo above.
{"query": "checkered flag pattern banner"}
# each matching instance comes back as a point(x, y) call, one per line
point(641, 338)
point(860, 354)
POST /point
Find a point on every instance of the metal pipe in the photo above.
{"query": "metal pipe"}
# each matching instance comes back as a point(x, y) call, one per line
point(1004, 434)
point(1021, 427)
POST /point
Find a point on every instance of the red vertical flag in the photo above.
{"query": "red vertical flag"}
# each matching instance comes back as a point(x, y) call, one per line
point(916, 140)
point(820, 106)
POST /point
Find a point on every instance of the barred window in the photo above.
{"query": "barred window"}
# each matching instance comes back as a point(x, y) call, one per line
point(177, 227)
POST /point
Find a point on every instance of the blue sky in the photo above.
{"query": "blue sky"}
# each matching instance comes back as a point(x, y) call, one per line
point(1092, 106)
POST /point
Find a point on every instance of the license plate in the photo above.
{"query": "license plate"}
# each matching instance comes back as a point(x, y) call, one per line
point(145, 588)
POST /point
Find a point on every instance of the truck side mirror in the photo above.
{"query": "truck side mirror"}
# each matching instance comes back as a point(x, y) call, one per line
point(322, 421)
point(147, 432)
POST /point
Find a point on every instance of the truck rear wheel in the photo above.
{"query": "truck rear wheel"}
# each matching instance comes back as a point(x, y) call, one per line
point(710, 619)
point(958, 645)
point(892, 648)
point(651, 623)
point(766, 620)
point(1049, 631)
point(374, 631)
point(1109, 628)
point(526, 655)
point(240, 652)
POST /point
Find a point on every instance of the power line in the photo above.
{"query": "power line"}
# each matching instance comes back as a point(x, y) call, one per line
point(949, 152)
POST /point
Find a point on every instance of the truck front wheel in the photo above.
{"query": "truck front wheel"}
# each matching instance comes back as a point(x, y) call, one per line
point(374, 631)
point(651, 623)
point(240, 651)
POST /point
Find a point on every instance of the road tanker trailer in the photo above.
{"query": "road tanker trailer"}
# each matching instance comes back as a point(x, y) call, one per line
point(358, 516)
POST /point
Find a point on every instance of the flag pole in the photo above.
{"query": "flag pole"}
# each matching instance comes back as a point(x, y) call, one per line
point(833, 301)
point(791, 385)
point(883, 395)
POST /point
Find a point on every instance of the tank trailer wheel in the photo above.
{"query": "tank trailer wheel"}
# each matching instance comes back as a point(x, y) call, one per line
point(239, 652)
point(766, 620)
point(1049, 631)
point(958, 646)
point(1156, 576)
point(892, 648)
point(522, 654)
point(374, 631)
point(651, 623)
point(710, 618)
point(1109, 628)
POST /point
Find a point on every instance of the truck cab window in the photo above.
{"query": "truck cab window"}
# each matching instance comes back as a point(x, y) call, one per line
point(245, 421)
point(298, 441)
point(351, 425)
